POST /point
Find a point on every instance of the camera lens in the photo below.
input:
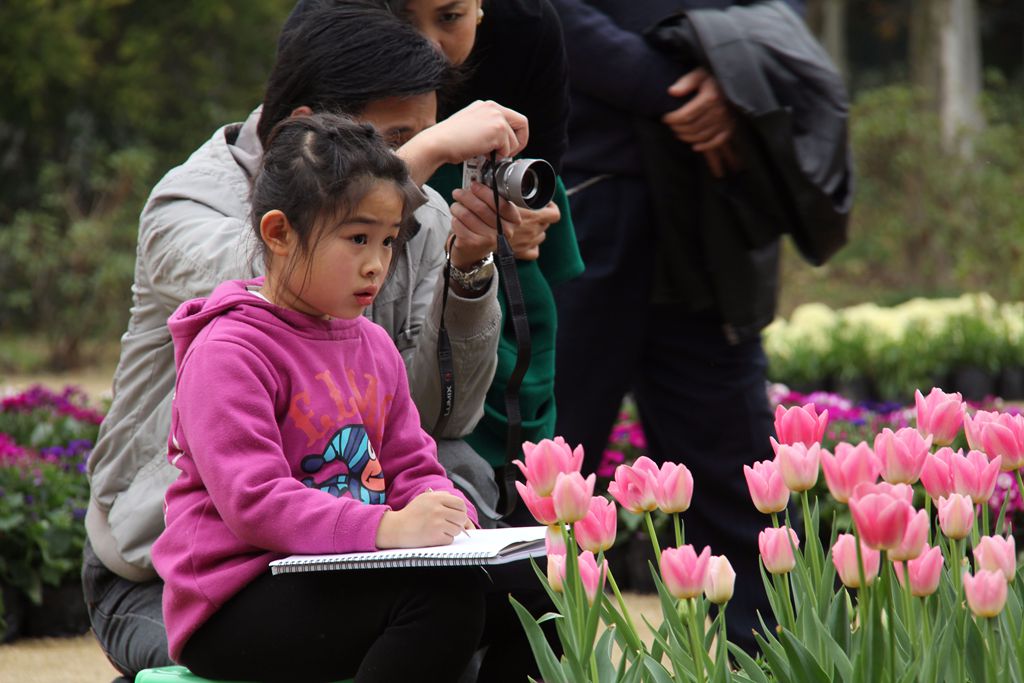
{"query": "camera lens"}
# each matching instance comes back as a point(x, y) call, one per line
point(529, 183)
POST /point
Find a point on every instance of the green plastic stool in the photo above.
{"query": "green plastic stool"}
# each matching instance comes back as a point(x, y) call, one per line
point(179, 674)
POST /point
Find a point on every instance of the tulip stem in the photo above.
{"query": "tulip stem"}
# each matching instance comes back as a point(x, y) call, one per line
point(928, 512)
point(622, 603)
point(654, 537)
point(696, 642)
point(677, 520)
point(984, 519)
point(775, 520)
point(809, 532)
point(886, 572)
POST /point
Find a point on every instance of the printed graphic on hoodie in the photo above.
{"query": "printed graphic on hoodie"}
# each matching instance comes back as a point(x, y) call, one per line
point(351, 447)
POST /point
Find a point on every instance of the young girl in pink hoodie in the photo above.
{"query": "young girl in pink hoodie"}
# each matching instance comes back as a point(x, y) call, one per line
point(294, 432)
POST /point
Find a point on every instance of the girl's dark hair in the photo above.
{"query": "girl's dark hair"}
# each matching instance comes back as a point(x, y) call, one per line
point(316, 169)
point(340, 57)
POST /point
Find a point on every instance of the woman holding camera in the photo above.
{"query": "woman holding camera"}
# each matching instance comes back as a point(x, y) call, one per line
point(513, 54)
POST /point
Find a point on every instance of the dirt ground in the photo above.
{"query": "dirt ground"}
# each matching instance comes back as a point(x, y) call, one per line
point(80, 660)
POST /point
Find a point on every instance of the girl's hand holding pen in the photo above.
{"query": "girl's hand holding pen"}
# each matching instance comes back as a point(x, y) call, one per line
point(431, 518)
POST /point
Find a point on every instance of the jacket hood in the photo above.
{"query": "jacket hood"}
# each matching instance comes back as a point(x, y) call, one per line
point(192, 316)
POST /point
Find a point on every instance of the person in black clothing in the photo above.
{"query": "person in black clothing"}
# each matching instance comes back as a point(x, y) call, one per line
point(654, 145)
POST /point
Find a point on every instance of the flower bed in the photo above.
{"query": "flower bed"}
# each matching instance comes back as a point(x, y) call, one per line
point(901, 590)
point(45, 439)
point(972, 344)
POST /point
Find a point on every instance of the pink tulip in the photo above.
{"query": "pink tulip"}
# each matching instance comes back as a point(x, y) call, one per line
point(914, 538)
point(956, 516)
point(940, 415)
point(973, 425)
point(684, 571)
point(596, 531)
point(798, 464)
point(554, 542)
point(850, 466)
point(844, 557)
point(1004, 436)
point(800, 424)
point(975, 475)
point(986, 592)
point(556, 572)
point(902, 454)
point(767, 489)
point(937, 473)
point(776, 552)
point(924, 572)
point(541, 507)
point(635, 485)
point(675, 488)
point(572, 496)
point(901, 491)
point(590, 576)
point(545, 460)
point(720, 580)
point(881, 519)
point(997, 553)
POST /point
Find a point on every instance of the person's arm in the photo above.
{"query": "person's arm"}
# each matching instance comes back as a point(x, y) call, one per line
point(614, 65)
point(235, 444)
point(420, 495)
point(479, 128)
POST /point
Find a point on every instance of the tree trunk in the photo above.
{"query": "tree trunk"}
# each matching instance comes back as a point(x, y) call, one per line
point(827, 20)
point(945, 63)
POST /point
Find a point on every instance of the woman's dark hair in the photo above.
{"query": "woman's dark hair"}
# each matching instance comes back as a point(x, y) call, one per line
point(340, 57)
point(316, 169)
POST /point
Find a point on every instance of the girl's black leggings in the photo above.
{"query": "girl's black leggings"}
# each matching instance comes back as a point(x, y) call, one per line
point(388, 625)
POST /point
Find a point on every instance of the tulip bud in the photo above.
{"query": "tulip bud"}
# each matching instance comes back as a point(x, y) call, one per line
point(996, 553)
point(596, 531)
point(554, 542)
point(956, 516)
point(720, 580)
point(798, 465)
point(986, 592)
point(902, 454)
point(544, 462)
point(914, 538)
point(881, 519)
point(776, 552)
point(924, 572)
point(844, 557)
point(541, 507)
point(572, 496)
point(675, 488)
point(800, 424)
point(591, 578)
point(556, 572)
point(683, 571)
point(849, 467)
point(937, 473)
point(974, 475)
point(939, 415)
point(635, 485)
point(767, 489)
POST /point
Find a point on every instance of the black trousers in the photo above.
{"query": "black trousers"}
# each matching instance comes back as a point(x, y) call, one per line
point(409, 624)
point(702, 401)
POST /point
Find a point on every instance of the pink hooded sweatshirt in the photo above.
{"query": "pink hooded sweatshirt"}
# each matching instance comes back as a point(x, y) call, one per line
point(293, 435)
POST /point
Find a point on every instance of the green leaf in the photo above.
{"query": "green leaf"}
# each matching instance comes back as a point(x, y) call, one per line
point(747, 664)
point(658, 672)
point(976, 646)
point(803, 664)
point(542, 653)
point(603, 656)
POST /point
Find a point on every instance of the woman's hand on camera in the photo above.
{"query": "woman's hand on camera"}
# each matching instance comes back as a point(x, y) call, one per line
point(475, 224)
point(431, 518)
point(532, 231)
point(480, 128)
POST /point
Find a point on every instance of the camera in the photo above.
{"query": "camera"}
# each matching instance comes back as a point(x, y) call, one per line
point(529, 183)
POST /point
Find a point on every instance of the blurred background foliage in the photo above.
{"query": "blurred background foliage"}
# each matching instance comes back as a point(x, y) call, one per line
point(101, 97)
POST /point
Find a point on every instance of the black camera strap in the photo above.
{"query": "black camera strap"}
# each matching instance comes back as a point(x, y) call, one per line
point(516, 310)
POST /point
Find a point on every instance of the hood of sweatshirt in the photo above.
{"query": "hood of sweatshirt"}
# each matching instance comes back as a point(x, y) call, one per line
point(193, 316)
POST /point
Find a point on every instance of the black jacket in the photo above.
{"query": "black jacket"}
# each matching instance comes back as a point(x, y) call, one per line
point(797, 177)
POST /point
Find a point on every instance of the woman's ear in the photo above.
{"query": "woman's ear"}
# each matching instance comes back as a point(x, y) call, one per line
point(277, 233)
point(302, 111)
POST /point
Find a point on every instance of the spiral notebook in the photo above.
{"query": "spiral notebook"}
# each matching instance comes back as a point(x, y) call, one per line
point(475, 547)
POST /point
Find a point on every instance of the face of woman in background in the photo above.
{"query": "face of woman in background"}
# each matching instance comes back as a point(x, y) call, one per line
point(449, 24)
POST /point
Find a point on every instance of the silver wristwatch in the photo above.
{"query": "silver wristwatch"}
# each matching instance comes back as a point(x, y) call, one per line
point(478, 277)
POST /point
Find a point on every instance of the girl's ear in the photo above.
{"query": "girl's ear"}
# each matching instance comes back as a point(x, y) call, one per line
point(277, 233)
